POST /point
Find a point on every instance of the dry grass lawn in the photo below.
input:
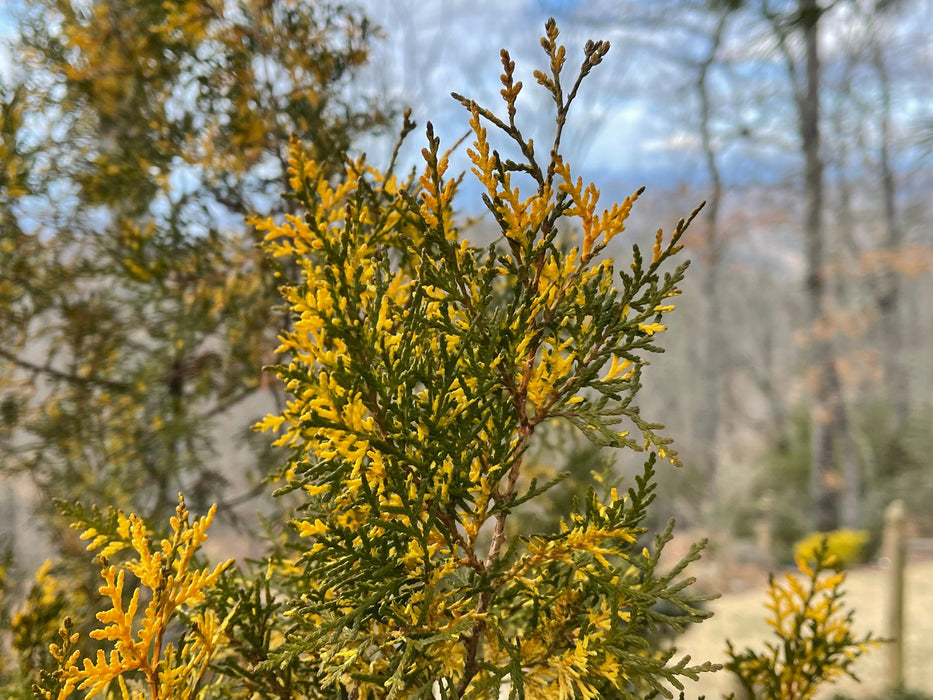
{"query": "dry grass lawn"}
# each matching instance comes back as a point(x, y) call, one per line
point(740, 617)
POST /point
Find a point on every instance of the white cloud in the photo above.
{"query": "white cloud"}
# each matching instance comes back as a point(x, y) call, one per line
point(683, 141)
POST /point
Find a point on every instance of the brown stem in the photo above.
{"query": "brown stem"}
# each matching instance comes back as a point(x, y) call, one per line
point(471, 666)
point(498, 535)
point(450, 523)
point(152, 673)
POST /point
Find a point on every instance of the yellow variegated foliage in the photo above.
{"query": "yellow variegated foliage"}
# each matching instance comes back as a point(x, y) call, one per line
point(845, 546)
point(816, 642)
point(420, 368)
point(136, 310)
point(31, 624)
point(143, 660)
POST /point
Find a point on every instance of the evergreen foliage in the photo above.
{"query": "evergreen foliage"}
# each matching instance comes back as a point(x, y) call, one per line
point(815, 641)
point(170, 585)
point(422, 370)
point(135, 304)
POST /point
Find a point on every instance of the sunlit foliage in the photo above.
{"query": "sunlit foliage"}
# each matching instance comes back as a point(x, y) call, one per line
point(139, 630)
point(420, 368)
point(135, 305)
point(815, 640)
point(844, 547)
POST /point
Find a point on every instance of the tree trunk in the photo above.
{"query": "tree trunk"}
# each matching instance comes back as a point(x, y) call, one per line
point(889, 296)
point(844, 433)
point(846, 252)
point(824, 481)
point(709, 416)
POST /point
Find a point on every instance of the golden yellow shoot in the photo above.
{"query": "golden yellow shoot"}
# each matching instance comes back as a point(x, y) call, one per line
point(141, 659)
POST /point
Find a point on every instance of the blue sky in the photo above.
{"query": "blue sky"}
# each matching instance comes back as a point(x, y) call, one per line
point(7, 30)
point(430, 49)
point(628, 123)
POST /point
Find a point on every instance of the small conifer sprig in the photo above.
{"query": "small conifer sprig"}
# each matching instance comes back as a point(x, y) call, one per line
point(36, 622)
point(420, 367)
point(142, 660)
point(816, 643)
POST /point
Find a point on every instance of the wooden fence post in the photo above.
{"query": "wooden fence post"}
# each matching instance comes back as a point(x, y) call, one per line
point(894, 547)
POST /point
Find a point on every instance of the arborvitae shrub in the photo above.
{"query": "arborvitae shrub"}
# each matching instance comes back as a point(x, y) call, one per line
point(815, 642)
point(161, 637)
point(422, 368)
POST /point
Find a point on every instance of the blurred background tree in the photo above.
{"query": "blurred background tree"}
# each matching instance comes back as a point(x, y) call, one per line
point(803, 125)
point(135, 305)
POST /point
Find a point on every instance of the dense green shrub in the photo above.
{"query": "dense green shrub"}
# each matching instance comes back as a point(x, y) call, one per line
point(782, 486)
point(893, 462)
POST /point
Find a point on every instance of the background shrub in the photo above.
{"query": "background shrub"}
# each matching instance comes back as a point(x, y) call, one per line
point(844, 547)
